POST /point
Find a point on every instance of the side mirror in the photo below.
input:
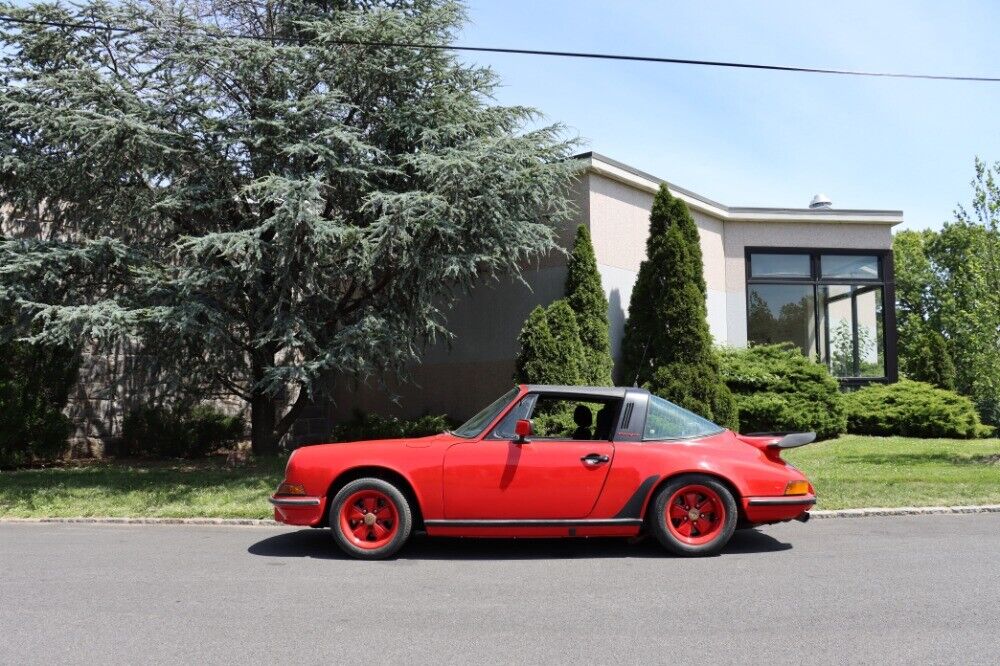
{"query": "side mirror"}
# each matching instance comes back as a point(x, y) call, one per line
point(523, 430)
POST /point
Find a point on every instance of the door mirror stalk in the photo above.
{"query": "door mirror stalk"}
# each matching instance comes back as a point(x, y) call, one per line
point(522, 430)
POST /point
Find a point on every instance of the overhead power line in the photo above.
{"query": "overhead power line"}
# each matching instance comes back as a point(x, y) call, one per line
point(512, 51)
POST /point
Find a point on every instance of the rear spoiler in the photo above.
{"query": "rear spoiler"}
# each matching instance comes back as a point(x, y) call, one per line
point(775, 442)
point(792, 440)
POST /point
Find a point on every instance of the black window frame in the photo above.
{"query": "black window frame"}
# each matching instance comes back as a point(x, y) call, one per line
point(885, 280)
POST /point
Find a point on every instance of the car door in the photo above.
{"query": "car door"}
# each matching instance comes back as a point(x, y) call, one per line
point(544, 478)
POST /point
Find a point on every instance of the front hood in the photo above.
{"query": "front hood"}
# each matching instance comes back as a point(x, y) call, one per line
point(413, 442)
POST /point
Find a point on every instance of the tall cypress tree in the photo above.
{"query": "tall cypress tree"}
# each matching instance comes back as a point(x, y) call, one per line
point(667, 346)
point(586, 297)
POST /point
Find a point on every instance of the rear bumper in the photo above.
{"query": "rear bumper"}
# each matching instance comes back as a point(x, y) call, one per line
point(776, 509)
point(298, 510)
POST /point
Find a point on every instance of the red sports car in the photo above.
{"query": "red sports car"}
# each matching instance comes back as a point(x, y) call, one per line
point(550, 461)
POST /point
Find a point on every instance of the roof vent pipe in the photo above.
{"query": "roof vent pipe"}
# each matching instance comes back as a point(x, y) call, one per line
point(821, 202)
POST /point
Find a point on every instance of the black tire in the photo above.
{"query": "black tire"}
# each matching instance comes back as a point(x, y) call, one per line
point(403, 523)
point(723, 529)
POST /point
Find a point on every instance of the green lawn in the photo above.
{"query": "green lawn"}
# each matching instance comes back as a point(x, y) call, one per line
point(182, 489)
point(848, 472)
point(853, 472)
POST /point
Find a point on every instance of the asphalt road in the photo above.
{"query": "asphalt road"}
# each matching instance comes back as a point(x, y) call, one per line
point(871, 590)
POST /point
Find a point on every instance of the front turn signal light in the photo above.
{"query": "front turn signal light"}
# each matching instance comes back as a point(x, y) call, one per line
point(290, 489)
point(797, 488)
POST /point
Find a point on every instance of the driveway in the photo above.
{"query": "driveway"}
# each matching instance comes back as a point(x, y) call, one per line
point(914, 589)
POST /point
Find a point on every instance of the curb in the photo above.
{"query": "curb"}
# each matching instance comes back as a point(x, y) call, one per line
point(251, 522)
point(226, 522)
point(906, 511)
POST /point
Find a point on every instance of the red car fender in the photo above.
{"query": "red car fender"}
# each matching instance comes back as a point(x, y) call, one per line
point(640, 469)
point(320, 468)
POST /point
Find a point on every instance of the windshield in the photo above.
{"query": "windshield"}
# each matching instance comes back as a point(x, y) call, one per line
point(665, 420)
point(478, 423)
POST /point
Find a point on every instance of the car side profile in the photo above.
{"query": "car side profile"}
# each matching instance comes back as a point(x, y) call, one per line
point(550, 461)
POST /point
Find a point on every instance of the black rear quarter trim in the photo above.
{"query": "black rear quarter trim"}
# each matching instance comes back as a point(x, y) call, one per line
point(633, 507)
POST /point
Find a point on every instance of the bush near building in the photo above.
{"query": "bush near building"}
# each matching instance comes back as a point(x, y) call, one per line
point(363, 426)
point(179, 433)
point(777, 389)
point(912, 409)
point(550, 348)
point(34, 387)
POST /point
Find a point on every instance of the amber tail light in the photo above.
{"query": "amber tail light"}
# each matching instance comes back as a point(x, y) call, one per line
point(797, 488)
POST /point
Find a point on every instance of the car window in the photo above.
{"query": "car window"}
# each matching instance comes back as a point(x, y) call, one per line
point(478, 423)
point(665, 420)
point(522, 410)
point(562, 418)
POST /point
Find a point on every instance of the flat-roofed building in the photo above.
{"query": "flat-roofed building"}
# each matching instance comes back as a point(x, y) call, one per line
point(817, 276)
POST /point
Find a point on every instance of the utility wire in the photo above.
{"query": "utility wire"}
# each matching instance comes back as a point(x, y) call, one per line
point(511, 51)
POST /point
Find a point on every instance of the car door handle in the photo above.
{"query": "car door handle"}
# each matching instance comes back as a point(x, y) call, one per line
point(594, 459)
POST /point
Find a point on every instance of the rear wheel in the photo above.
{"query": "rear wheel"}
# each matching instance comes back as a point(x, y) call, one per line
point(693, 515)
point(370, 519)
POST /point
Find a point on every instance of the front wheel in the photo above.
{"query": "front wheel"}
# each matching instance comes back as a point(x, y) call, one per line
point(693, 515)
point(370, 519)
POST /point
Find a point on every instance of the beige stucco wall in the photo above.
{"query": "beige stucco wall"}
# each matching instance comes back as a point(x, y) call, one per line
point(619, 225)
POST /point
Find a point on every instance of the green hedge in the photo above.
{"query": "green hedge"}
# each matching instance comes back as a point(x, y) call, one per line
point(912, 409)
point(173, 433)
point(35, 383)
point(777, 389)
point(372, 426)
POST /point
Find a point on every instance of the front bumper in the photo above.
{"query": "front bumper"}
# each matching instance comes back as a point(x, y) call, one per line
point(776, 509)
point(298, 510)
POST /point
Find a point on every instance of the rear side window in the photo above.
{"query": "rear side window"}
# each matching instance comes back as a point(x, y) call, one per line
point(665, 420)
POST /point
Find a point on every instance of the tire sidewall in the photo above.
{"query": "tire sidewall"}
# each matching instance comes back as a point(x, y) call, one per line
point(403, 513)
point(658, 518)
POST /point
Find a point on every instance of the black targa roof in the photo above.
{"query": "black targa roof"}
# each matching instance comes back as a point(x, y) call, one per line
point(585, 391)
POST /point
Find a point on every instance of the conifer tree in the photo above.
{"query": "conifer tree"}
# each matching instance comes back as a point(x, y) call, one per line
point(586, 297)
point(274, 189)
point(551, 352)
point(928, 360)
point(667, 345)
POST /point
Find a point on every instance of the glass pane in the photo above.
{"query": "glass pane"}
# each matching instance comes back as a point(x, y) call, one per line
point(665, 420)
point(782, 313)
point(862, 267)
point(835, 314)
point(871, 332)
point(779, 265)
point(505, 429)
point(556, 417)
point(853, 324)
point(478, 423)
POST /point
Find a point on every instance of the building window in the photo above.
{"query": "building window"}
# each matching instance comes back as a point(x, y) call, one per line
point(830, 305)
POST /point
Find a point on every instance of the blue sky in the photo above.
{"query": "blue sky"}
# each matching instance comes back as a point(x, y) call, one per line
point(766, 138)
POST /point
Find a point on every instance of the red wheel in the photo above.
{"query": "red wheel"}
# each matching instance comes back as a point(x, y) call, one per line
point(370, 518)
point(693, 515)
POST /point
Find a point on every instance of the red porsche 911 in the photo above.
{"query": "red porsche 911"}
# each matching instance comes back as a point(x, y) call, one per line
point(550, 461)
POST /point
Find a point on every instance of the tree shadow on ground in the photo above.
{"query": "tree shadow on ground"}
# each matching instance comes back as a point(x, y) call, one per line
point(319, 544)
